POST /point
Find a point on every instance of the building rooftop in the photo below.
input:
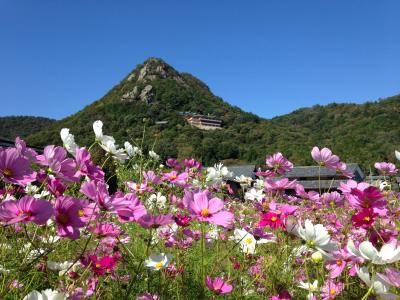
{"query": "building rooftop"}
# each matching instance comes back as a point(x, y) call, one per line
point(245, 170)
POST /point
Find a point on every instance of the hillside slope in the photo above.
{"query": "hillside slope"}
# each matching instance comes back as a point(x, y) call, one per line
point(155, 91)
point(22, 126)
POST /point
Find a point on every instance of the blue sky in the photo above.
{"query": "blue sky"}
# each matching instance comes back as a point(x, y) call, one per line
point(267, 57)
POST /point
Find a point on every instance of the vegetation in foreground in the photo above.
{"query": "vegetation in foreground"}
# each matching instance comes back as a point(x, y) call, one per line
point(129, 227)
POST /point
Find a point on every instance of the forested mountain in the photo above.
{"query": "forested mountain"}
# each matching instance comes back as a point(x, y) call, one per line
point(22, 126)
point(154, 92)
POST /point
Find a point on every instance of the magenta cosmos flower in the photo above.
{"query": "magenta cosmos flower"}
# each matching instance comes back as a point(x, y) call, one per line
point(15, 168)
point(208, 210)
point(86, 166)
point(68, 215)
point(155, 221)
point(324, 157)
point(57, 163)
point(364, 219)
point(371, 197)
point(385, 168)
point(126, 206)
point(26, 209)
point(218, 286)
point(280, 185)
point(279, 163)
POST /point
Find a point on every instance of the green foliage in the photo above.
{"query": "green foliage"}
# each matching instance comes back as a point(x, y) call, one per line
point(22, 126)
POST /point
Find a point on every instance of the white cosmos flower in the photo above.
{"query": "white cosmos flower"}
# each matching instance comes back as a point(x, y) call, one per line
point(244, 180)
point(247, 241)
point(259, 184)
point(397, 154)
point(254, 194)
point(62, 267)
point(316, 236)
point(45, 295)
point(68, 141)
point(98, 129)
point(132, 150)
point(310, 287)
point(108, 144)
point(156, 262)
point(154, 155)
point(157, 200)
point(379, 286)
point(216, 173)
point(389, 253)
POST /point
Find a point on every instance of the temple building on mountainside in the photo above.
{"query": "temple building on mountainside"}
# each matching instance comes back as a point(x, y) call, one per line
point(205, 122)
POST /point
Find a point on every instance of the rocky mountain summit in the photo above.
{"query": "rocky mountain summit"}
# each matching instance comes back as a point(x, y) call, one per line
point(142, 77)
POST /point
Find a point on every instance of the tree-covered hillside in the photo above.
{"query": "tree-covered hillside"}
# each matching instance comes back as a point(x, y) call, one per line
point(22, 126)
point(154, 91)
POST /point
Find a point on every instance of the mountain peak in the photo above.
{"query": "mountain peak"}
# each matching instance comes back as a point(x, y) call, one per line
point(140, 80)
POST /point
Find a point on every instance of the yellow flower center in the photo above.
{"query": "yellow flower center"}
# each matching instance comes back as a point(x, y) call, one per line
point(173, 177)
point(158, 265)
point(98, 265)
point(7, 172)
point(332, 292)
point(339, 262)
point(204, 212)
point(274, 218)
point(248, 241)
point(367, 218)
point(81, 213)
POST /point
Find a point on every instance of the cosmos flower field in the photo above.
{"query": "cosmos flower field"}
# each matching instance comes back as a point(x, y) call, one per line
point(176, 230)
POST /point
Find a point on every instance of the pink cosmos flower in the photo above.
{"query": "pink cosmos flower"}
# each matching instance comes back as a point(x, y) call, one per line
point(332, 199)
point(364, 219)
point(101, 265)
point(68, 217)
point(15, 168)
point(173, 163)
point(155, 221)
point(138, 188)
point(148, 296)
point(26, 209)
point(175, 178)
point(391, 276)
point(106, 230)
point(341, 167)
point(280, 185)
point(331, 289)
point(29, 153)
point(191, 163)
point(272, 220)
point(208, 210)
point(182, 220)
point(284, 295)
point(346, 187)
point(371, 197)
point(150, 176)
point(338, 261)
point(279, 163)
point(86, 166)
point(218, 286)
point(385, 168)
point(324, 157)
point(55, 158)
point(127, 207)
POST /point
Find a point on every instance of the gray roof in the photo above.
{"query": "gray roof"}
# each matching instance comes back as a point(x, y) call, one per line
point(246, 170)
point(323, 184)
point(315, 171)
